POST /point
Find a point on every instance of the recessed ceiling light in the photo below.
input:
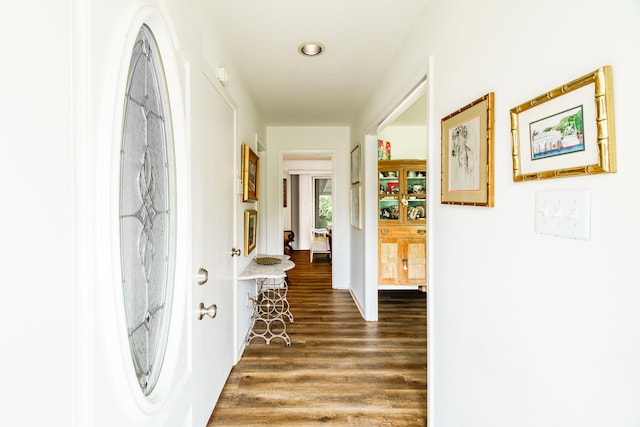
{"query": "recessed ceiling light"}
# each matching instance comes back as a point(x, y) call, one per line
point(311, 49)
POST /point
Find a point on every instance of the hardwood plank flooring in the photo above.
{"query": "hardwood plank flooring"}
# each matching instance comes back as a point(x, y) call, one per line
point(339, 370)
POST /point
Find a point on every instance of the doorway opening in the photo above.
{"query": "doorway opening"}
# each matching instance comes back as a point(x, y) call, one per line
point(405, 130)
point(307, 202)
point(401, 203)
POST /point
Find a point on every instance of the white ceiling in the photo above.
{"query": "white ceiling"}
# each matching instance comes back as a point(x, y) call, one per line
point(361, 38)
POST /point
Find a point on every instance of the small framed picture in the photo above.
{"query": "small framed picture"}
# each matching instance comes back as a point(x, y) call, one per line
point(567, 131)
point(284, 192)
point(250, 174)
point(356, 207)
point(467, 154)
point(355, 165)
point(250, 226)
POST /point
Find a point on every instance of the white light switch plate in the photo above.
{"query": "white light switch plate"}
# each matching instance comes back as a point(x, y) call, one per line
point(564, 213)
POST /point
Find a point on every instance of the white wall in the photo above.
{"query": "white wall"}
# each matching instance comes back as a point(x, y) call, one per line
point(37, 216)
point(330, 138)
point(407, 142)
point(56, 179)
point(527, 329)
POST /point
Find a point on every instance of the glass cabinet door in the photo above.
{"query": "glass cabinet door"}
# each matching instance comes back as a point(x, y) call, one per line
point(416, 194)
point(389, 195)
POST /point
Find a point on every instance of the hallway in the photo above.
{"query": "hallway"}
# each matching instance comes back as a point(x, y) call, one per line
point(340, 369)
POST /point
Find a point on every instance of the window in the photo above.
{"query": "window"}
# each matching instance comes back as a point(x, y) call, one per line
point(322, 202)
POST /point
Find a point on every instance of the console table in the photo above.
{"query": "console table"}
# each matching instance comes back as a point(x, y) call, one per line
point(270, 306)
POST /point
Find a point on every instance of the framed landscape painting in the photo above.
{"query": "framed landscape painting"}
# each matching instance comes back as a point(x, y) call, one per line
point(250, 226)
point(567, 131)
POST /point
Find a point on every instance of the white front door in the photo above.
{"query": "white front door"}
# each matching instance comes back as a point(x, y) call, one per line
point(213, 204)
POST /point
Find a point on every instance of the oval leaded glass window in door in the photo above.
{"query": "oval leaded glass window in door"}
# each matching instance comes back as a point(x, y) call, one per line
point(147, 230)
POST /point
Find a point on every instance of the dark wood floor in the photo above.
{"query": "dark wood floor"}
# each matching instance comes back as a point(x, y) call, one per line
point(339, 370)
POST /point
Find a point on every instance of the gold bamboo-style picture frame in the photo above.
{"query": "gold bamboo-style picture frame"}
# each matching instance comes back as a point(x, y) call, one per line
point(568, 131)
point(467, 154)
point(250, 230)
point(250, 174)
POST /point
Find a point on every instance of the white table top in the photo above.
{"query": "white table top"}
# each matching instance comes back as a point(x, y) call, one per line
point(271, 271)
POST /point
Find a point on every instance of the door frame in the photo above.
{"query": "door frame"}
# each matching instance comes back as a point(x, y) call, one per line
point(424, 85)
point(371, 194)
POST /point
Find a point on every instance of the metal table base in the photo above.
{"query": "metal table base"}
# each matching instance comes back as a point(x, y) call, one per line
point(270, 306)
point(270, 311)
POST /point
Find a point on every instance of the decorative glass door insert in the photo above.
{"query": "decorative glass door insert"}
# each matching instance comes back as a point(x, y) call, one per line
point(147, 211)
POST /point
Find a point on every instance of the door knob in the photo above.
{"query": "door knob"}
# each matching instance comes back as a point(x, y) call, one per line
point(203, 276)
point(235, 252)
point(210, 311)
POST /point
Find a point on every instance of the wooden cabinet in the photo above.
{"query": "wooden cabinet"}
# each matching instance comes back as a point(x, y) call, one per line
point(402, 187)
point(402, 239)
point(402, 255)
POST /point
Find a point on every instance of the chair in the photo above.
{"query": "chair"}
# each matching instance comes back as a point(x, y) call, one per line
point(289, 237)
point(319, 243)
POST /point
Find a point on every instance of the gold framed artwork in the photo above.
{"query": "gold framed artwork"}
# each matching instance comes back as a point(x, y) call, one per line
point(250, 174)
point(356, 207)
point(355, 165)
point(284, 192)
point(250, 228)
point(467, 154)
point(567, 131)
